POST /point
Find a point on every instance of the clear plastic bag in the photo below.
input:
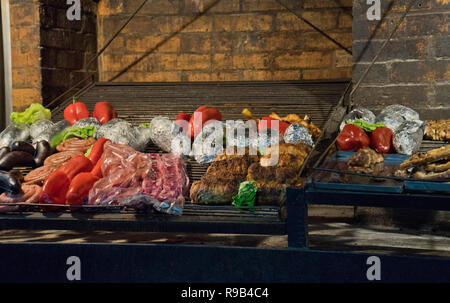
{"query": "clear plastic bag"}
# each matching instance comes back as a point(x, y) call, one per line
point(408, 137)
point(167, 183)
point(359, 113)
point(14, 132)
point(129, 174)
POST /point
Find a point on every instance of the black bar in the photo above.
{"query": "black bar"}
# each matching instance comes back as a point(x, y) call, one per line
point(371, 199)
point(139, 223)
point(297, 220)
point(134, 263)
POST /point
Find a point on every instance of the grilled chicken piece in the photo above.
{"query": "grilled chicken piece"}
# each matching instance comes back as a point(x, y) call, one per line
point(423, 158)
point(432, 175)
point(438, 167)
point(306, 122)
point(365, 160)
point(286, 154)
point(272, 180)
point(438, 130)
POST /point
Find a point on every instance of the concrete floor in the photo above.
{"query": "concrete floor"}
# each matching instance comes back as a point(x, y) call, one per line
point(322, 236)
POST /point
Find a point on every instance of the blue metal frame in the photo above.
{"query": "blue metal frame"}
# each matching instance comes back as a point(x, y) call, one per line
point(312, 195)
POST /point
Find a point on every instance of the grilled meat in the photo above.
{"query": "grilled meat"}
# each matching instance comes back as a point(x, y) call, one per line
point(423, 158)
point(306, 122)
point(438, 130)
point(365, 160)
point(222, 179)
point(431, 165)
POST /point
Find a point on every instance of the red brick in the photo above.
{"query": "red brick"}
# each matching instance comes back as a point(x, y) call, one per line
point(242, 22)
point(26, 77)
point(23, 97)
point(257, 75)
point(173, 62)
point(287, 75)
point(148, 43)
point(304, 60)
point(197, 25)
point(248, 61)
point(222, 62)
point(317, 74)
point(327, 3)
point(260, 5)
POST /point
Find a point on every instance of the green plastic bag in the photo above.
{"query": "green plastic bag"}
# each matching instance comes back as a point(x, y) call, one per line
point(246, 195)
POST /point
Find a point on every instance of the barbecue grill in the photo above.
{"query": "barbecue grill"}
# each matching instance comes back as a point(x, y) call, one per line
point(140, 102)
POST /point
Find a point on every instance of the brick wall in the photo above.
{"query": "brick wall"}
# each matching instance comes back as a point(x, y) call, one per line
point(414, 68)
point(234, 40)
point(25, 53)
point(66, 46)
point(48, 51)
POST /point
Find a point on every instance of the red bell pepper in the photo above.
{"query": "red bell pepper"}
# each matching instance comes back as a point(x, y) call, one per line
point(381, 140)
point(76, 165)
point(282, 126)
point(202, 115)
point(104, 112)
point(97, 170)
point(79, 188)
point(75, 112)
point(54, 190)
point(97, 150)
point(352, 138)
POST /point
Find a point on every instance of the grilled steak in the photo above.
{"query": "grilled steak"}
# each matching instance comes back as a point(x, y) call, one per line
point(366, 160)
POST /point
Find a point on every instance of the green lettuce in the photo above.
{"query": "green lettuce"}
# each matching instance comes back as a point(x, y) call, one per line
point(72, 132)
point(368, 127)
point(246, 195)
point(146, 125)
point(35, 112)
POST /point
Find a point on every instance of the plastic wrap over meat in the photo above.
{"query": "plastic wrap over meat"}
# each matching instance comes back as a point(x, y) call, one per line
point(14, 132)
point(408, 137)
point(359, 113)
point(167, 183)
point(39, 127)
point(129, 174)
point(89, 122)
point(298, 133)
point(209, 142)
point(123, 170)
point(394, 115)
point(163, 131)
point(52, 131)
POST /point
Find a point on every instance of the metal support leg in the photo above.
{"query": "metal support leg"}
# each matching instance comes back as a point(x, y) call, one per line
point(297, 218)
